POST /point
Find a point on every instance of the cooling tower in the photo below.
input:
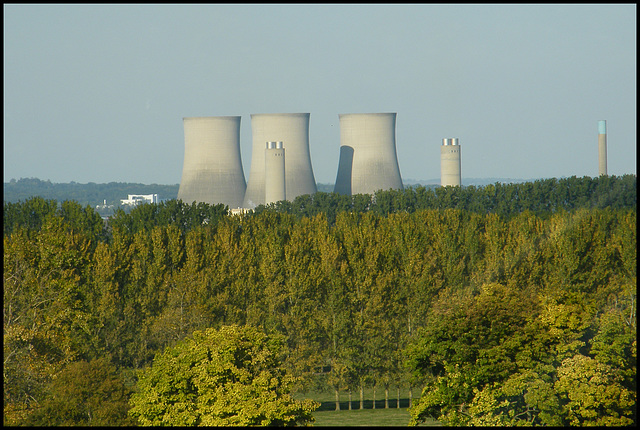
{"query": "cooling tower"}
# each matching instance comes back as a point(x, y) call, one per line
point(602, 148)
point(275, 186)
point(368, 160)
point(292, 129)
point(212, 170)
point(450, 163)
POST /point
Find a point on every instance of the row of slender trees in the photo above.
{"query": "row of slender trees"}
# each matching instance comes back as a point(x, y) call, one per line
point(351, 294)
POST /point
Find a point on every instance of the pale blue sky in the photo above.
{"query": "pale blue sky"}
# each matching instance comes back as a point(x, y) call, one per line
point(97, 93)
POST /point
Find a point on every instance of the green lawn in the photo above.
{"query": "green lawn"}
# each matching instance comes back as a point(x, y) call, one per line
point(365, 417)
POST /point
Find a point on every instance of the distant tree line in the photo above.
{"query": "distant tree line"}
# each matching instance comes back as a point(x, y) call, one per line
point(543, 196)
point(91, 193)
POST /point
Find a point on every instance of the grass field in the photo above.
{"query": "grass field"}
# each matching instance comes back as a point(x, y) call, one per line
point(362, 417)
point(366, 418)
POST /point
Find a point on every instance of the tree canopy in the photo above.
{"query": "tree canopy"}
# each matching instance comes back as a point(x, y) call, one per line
point(230, 376)
point(87, 394)
point(511, 357)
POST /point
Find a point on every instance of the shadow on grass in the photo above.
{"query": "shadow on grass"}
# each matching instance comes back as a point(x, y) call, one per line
point(391, 417)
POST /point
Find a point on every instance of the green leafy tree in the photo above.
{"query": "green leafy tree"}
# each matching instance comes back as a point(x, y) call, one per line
point(231, 376)
point(305, 287)
point(29, 214)
point(46, 321)
point(85, 393)
point(525, 399)
point(85, 220)
point(469, 342)
point(615, 342)
point(594, 394)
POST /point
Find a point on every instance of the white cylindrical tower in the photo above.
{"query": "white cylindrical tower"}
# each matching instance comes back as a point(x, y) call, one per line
point(368, 160)
point(602, 148)
point(450, 163)
point(274, 173)
point(293, 130)
point(212, 170)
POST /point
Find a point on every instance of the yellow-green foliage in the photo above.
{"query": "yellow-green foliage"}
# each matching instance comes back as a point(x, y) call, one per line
point(516, 357)
point(225, 377)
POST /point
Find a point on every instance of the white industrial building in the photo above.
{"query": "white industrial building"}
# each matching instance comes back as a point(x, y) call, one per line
point(136, 199)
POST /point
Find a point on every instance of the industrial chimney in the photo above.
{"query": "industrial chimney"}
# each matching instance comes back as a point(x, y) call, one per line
point(212, 170)
point(368, 160)
point(274, 173)
point(450, 163)
point(602, 148)
point(293, 130)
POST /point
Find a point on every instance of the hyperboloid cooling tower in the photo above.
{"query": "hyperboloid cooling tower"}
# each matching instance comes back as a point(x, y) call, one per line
point(450, 163)
point(602, 148)
point(292, 129)
point(212, 170)
point(368, 160)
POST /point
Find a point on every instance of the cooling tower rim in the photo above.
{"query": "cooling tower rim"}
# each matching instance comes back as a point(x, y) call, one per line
point(211, 117)
point(294, 114)
point(368, 114)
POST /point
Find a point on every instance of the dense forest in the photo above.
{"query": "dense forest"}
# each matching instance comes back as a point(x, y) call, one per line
point(509, 304)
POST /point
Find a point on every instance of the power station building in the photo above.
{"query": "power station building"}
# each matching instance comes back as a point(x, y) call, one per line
point(450, 163)
point(602, 148)
point(281, 162)
point(212, 171)
point(292, 130)
point(368, 160)
point(136, 199)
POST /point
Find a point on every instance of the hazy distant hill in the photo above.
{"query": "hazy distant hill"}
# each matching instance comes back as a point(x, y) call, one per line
point(86, 194)
point(95, 194)
point(478, 182)
point(430, 183)
point(325, 188)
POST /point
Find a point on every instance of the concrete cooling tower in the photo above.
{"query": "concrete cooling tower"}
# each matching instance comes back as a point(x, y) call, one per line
point(292, 129)
point(368, 160)
point(602, 148)
point(450, 163)
point(212, 170)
